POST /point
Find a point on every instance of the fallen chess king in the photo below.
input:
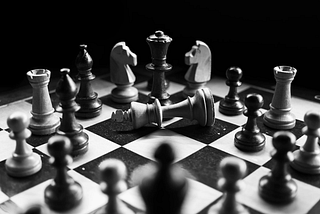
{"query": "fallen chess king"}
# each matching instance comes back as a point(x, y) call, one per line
point(200, 107)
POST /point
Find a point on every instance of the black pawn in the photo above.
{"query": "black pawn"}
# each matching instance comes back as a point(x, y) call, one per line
point(66, 91)
point(164, 191)
point(90, 105)
point(64, 192)
point(250, 138)
point(277, 186)
point(231, 104)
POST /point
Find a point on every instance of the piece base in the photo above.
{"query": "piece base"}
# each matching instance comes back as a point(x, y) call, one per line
point(277, 192)
point(231, 108)
point(306, 164)
point(89, 107)
point(278, 122)
point(22, 167)
point(249, 142)
point(63, 198)
point(47, 127)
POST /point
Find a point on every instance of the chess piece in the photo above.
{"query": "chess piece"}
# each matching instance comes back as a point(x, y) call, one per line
point(43, 120)
point(277, 186)
point(199, 72)
point(121, 74)
point(66, 91)
point(24, 161)
point(307, 158)
point(113, 173)
point(250, 138)
point(159, 44)
point(231, 104)
point(279, 115)
point(64, 192)
point(232, 170)
point(200, 108)
point(35, 209)
point(164, 191)
point(87, 99)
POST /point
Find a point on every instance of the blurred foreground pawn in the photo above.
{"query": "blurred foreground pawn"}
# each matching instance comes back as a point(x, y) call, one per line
point(277, 186)
point(199, 72)
point(200, 107)
point(231, 104)
point(24, 161)
point(233, 170)
point(66, 91)
point(64, 192)
point(43, 120)
point(279, 115)
point(250, 138)
point(121, 74)
point(164, 191)
point(90, 104)
point(307, 158)
point(113, 173)
point(159, 44)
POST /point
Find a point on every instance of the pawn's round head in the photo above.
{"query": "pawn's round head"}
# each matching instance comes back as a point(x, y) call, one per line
point(112, 171)
point(253, 101)
point(233, 168)
point(164, 154)
point(284, 141)
point(312, 119)
point(234, 74)
point(18, 121)
point(59, 146)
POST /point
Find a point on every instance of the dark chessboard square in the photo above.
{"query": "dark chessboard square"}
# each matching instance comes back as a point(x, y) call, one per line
point(120, 133)
point(203, 134)
point(267, 96)
point(130, 159)
point(107, 100)
point(203, 165)
point(13, 185)
point(270, 131)
point(37, 140)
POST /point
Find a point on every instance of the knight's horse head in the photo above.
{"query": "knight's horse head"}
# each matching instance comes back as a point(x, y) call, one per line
point(120, 59)
point(121, 54)
point(199, 53)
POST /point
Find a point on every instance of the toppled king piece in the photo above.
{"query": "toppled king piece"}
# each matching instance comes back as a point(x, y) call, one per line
point(200, 107)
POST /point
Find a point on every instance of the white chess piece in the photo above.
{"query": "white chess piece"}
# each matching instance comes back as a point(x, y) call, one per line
point(121, 74)
point(199, 72)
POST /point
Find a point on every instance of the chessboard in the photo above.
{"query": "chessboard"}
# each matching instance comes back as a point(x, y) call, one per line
point(198, 151)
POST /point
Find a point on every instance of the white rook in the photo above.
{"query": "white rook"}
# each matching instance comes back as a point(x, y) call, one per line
point(43, 121)
point(279, 115)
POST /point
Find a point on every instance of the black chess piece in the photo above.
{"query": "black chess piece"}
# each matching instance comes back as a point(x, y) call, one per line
point(164, 191)
point(250, 138)
point(66, 91)
point(233, 170)
point(90, 104)
point(231, 104)
point(159, 44)
point(64, 192)
point(277, 186)
point(307, 158)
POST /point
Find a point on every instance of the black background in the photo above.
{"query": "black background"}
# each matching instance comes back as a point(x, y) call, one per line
point(254, 36)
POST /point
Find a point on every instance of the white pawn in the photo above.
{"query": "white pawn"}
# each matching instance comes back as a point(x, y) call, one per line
point(199, 72)
point(307, 158)
point(24, 161)
point(113, 173)
point(232, 169)
point(121, 74)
